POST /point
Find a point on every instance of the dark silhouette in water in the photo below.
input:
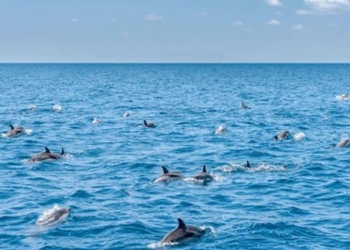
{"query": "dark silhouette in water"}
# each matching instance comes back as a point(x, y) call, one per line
point(47, 155)
point(148, 124)
point(183, 232)
point(281, 136)
point(204, 175)
point(14, 131)
point(169, 176)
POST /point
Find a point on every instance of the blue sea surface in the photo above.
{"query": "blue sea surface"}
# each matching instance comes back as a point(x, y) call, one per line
point(295, 196)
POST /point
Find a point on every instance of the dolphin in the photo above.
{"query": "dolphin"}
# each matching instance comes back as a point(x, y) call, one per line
point(243, 106)
point(148, 124)
point(53, 216)
point(47, 155)
point(248, 165)
point(204, 175)
point(169, 176)
point(183, 232)
point(221, 129)
point(14, 131)
point(96, 120)
point(281, 136)
point(342, 143)
point(345, 97)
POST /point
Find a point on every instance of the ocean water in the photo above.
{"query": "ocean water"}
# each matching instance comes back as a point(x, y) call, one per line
point(295, 196)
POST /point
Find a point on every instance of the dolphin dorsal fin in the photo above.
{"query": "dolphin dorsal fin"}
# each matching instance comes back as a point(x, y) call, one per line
point(47, 150)
point(145, 123)
point(165, 170)
point(248, 164)
point(181, 225)
point(11, 126)
point(62, 152)
point(204, 169)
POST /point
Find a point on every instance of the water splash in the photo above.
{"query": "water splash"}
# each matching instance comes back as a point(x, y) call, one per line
point(57, 108)
point(299, 136)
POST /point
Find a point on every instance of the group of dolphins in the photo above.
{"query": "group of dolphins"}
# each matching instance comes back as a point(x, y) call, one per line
point(56, 214)
point(182, 232)
point(44, 156)
point(344, 142)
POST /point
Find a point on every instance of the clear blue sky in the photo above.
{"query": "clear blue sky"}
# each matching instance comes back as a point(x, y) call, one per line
point(174, 30)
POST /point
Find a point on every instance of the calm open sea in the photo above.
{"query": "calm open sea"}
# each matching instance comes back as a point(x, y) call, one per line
point(107, 176)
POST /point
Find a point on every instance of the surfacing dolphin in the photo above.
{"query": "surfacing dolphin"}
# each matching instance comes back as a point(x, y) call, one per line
point(204, 176)
point(14, 131)
point(169, 176)
point(53, 216)
point(148, 124)
point(47, 155)
point(243, 106)
point(343, 143)
point(281, 136)
point(183, 232)
point(221, 129)
point(248, 165)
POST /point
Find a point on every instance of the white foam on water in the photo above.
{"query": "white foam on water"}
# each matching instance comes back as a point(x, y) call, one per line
point(157, 245)
point(57, 108)
point(95, 121)
point(343, 97)
point(299, 136)
point(28, 131)
point(231, 167)
point(267, 168)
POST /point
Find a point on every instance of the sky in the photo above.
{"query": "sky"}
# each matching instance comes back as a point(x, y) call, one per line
point(166, 31)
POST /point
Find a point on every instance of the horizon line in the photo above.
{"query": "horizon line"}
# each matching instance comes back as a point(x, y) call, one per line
point(175, 62)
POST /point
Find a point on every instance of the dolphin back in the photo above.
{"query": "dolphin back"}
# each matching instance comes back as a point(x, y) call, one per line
point(183, 232)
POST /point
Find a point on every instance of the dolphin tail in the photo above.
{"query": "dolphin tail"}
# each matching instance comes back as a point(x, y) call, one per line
point(181, 225)
point(204, 169)
point(165, 170)
point(47, 150)
point(62, 152)
point(248, 164)
point(11, 126)
point(275, 137)
point(145, 123)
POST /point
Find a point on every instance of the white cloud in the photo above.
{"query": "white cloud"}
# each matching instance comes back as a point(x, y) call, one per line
point(279, 13)
point(319, 7)
point(154, 18)
point(325, 5)
point(273, 22)
point(204, 13)
point(74, 20)
point(238, 23)
point(297, 27)
point(304, 12)
point(274, 2)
